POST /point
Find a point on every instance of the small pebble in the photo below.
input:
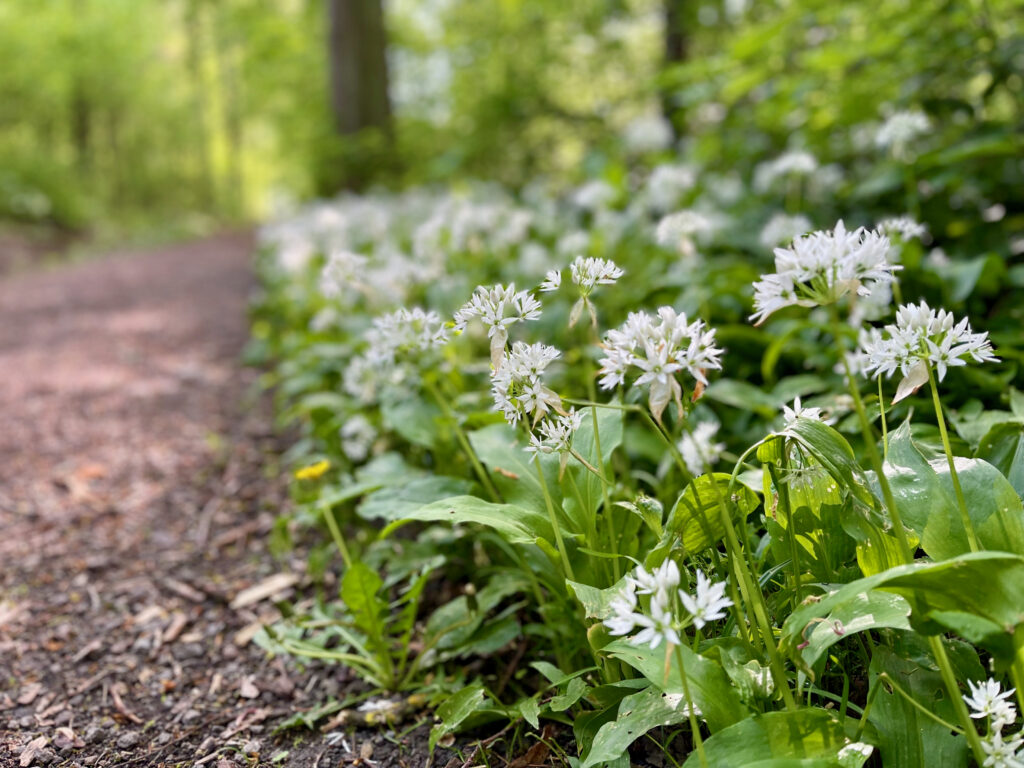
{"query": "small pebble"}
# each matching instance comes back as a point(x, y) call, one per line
point(127, 740)
point(92, 734)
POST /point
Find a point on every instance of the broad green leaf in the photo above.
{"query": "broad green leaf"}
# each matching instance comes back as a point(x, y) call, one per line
point(834, 453)
point(573, 693)
point(907, 738)
point(359, 591)
point(978, 595)
point(596, 601)
point(455, 710)
point(746, 397)
point(804, 737)
point(814, 628)
point(638, 714)
point(513, 470)
point(398, 501)
point(924, 494)
point(714, 696)
point(1003, 447)
point(530, 710)
point(696, 521)
point(414, 419)
point(609, 425)
point(515, 524)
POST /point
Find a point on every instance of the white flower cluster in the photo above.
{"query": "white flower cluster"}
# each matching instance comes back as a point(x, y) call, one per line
point(699, 449)
point(682, 230)
point(792, 163)
point(783, 228)
point(901, 129)
point(590, 272)
point(357, 437)
point(556, 435)
point(903, 227)
point(921, 337)
point(667, 184)
point(987, 700)
point(404, 330)
point(594, 195)
point(516, 382)
point(660, 347)
point(498, 307)
point(797, 411)
point(670, 609)
point(821, 268)
point(341, 270)
point(648, 133)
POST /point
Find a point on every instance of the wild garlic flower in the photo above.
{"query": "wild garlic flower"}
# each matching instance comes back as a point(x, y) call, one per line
point(670, 610)
point(922, 337)
point(792, 163)
point(900, 129)
point(659, 348)
point(573, 242)
point(708, 603)
point(821, 268)
point(498, 308)
point(556, 435)
point(1000, 753)
point(357, 437)
point(341, 271)
point(681, 231)
point(594, 195)
point(552, 281)
point(586, 273)
point(988, 699)
point(783, 228)
point(903, 227)
point(666, 186)
point(699, 449)
point(516, 383)
point(648, 133)
point(791, 414)
point(405, 330)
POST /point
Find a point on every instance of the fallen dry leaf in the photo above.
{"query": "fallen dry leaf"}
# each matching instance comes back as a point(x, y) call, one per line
point(247, 689)
point(33, 748)
point(267, 588)
point(29, 692)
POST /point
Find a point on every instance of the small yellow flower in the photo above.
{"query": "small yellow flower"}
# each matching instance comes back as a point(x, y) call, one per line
point(313, 471)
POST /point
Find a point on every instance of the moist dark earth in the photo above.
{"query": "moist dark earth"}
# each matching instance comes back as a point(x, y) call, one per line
point(139, 478)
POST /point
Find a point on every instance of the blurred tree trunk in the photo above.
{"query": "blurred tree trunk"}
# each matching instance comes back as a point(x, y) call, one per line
point(677, 45)
point(194, 33)
point(226, 54)
point(358, 72)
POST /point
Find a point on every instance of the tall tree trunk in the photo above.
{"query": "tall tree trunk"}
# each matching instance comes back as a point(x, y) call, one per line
point(677, 46)
point(194, 33)
point(358, 70)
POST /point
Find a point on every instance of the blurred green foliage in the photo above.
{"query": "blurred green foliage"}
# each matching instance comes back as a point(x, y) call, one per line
point(115, 110)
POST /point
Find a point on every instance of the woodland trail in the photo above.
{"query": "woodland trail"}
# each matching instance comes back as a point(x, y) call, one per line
point(138, 481)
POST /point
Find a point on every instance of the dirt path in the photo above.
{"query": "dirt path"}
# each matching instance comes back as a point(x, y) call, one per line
point(134, 503)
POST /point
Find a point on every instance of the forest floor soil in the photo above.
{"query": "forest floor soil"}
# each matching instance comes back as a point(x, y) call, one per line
point(140, 477)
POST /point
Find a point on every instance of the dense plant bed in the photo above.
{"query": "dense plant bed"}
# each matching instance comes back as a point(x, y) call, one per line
point(595, 457)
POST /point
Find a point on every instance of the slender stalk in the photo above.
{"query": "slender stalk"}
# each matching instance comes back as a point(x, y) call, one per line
point(339, 540)
point(474, 460)
point(949, 679)
point(1017, 670)
point(694, 725)
point(782, 489)
point(965, 516)
point(885, 429)
point(554, 520)
point(873, 457)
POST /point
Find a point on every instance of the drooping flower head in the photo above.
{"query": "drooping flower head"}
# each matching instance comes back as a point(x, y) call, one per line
point(821, 268)
point(659, 348)
point(556, 434)
point(498, 307)
point(587, 273)
point(921, 337)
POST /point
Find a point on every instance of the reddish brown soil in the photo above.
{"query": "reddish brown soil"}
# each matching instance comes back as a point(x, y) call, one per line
point(139, 478)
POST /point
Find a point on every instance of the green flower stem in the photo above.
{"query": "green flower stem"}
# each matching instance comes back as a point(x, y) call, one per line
point(694, 725)
point(339, 540)
point(965, 516)
point(606, 481)
point(474, 460)
point(874, 458)
point(554, 520)
point(669, 443)
point(946, 670)
point(782, 489)
point(1017, 670)
point(885, 430)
